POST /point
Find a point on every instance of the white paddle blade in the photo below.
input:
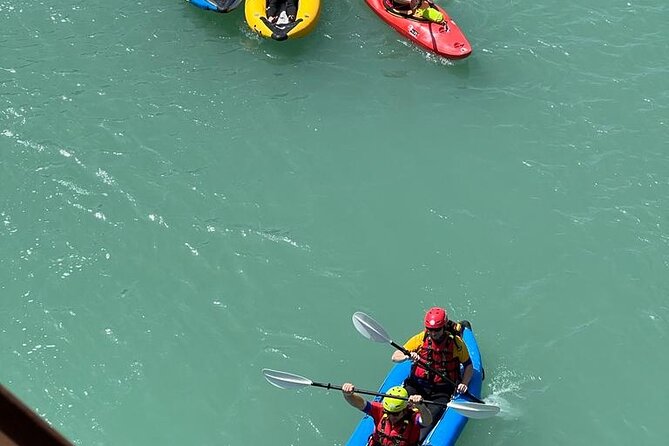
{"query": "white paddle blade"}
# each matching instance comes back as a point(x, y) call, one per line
point(369, 328)
point(284, 380)
point(474, 410)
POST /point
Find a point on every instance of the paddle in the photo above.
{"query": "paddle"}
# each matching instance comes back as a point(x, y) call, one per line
point(285, 380)
point(372, 330)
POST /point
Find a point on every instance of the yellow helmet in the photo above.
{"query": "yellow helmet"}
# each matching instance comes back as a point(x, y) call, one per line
point(394, 404)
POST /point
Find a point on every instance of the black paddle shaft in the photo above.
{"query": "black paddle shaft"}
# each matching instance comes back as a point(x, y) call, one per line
point(367, 392)
point(442, 375)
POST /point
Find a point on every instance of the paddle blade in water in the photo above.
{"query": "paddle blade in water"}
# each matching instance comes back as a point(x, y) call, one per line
point(284, 380)
point(369, 328)
point(474, 410)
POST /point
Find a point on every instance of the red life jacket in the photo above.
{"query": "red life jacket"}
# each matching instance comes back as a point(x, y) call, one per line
point(440, 357)
point(406, 432)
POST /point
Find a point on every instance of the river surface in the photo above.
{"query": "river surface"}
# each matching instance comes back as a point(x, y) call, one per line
point(183, 204)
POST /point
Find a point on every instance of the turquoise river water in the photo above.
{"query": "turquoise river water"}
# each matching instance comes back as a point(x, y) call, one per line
point(183, 204)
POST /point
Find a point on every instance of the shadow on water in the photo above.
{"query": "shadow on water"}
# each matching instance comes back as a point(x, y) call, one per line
point(287, 52)
point(462, 68)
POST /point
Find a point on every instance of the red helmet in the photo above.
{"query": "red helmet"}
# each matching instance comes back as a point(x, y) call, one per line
point(435, 317)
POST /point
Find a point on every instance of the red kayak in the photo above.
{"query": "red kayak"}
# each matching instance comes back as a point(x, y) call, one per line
point(444, 39)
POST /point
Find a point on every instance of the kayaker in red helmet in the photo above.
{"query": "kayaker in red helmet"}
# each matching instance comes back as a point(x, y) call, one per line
point(420, 9)
point(442, 348)
point(397, 421)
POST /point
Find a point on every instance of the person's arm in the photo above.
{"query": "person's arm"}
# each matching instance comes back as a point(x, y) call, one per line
point(398, 356)
point(466, 377)
point(411, 345)
point(425, 414)
point(463, 356)
point(355, 400)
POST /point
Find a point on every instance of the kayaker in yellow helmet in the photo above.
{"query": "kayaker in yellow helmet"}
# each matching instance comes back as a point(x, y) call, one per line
point(416, 8)
point(443, 350)
point(397, 421)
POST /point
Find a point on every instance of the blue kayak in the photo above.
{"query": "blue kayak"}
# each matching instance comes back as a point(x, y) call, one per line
point(216, 5)
point(448, 428)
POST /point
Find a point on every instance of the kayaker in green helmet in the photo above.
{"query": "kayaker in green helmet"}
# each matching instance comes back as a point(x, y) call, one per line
point(443, 350)
point(398, 421)
point(415, 8)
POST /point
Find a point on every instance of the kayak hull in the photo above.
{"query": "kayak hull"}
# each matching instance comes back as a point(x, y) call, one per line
point(308, 12)
point(222, 6)
point(450, 425)
point(446, 40)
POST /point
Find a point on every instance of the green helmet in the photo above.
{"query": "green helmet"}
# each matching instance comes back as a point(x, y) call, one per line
point(395, 404)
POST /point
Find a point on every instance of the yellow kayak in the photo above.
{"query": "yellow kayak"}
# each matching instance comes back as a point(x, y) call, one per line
point(283, 26)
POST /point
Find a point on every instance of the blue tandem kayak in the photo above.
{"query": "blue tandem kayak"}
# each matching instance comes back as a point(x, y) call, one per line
point(448, 428)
